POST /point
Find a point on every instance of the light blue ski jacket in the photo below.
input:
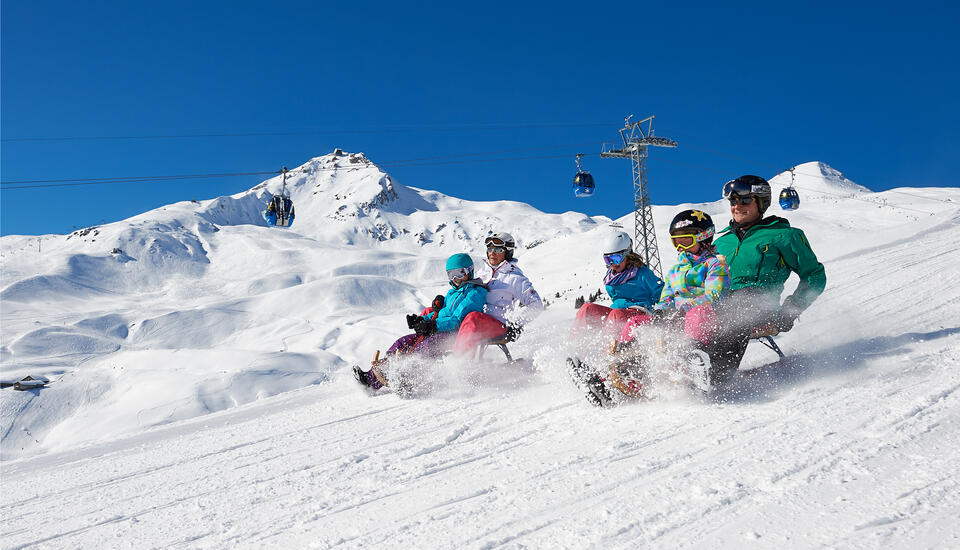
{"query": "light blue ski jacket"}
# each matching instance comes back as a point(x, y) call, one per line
point(643, 290)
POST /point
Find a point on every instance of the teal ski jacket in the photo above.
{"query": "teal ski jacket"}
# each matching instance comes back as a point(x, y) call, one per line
point(764, 257)
point(461, 300)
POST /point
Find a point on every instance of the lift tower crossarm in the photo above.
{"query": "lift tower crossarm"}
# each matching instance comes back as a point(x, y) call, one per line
point(636, 139)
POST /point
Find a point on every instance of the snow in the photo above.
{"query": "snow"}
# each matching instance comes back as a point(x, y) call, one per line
point(200, 392)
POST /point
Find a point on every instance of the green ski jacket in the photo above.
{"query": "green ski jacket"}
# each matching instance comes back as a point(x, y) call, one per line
point(764, 258)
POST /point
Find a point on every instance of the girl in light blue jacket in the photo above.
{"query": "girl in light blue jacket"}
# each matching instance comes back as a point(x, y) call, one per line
point(632, 286)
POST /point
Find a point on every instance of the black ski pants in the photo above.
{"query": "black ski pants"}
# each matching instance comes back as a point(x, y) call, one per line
point(737, 314)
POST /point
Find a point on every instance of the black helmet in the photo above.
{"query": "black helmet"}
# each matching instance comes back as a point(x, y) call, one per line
point(749, 186)
point(504, 239)
point(693, 222)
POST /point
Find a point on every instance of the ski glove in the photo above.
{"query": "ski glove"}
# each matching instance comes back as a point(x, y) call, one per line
point(788, 315)
point(425, 327)
point(437, 303)
point(513, 332)
point(412, 320)
point(785, 321)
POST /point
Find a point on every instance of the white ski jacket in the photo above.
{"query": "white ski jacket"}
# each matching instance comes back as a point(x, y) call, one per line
point(511, 296)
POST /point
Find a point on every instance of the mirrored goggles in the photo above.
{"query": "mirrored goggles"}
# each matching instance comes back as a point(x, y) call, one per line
point(736, 187)
point(741, 200)
point(496, 249)
point(614, 258)
point(458, 273)
point(494, 241)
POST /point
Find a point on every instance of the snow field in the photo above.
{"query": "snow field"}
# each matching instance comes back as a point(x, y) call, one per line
point(201, 394)
point(327, 467)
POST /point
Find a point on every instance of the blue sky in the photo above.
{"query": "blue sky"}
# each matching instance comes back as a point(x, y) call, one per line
point(744, 87)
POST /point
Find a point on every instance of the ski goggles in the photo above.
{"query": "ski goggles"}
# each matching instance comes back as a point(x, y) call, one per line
point(496, 249)
point(683, 242)
point(686, 242)
point(494, 241)
point(739, 187)
point(614, 258)
point(458, 273)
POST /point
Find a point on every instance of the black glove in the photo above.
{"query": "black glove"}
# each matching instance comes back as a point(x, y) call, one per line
point(437, 302)
point(412, 320)
point(787, 315)
point(785, 321)
point(425, 327)
point(513, 332)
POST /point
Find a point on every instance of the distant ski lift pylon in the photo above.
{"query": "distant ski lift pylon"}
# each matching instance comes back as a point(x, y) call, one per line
point(280, 212)
point(583, 185)
point(789, 198)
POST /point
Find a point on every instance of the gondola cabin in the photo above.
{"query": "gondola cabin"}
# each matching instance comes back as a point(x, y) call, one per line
point(280, 211)
point(789, 199)
point(583, 185)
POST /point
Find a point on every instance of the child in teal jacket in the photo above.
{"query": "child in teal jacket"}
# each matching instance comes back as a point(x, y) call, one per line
point(436, 332)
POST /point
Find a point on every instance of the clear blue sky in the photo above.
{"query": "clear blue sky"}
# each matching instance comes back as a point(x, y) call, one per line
point(872, 91)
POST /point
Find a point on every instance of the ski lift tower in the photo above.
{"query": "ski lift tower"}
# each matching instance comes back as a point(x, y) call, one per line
point(635, 143)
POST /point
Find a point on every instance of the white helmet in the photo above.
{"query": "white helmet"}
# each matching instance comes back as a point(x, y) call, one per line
point(617, 241)
point(504, 239)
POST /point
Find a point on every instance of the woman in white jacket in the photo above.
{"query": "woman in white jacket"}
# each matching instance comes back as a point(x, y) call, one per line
point(512, 301)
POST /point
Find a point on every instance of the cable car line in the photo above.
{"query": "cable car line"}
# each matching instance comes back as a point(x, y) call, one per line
point(416, 162)
point(400, 129)
point(423, 161)
point(550, 147)
point(135, 179)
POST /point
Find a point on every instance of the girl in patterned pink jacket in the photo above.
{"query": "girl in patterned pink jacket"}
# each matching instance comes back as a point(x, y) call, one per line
point(699, 278)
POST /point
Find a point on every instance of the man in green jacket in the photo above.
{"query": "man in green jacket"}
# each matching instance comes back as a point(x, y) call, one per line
point(761, 252)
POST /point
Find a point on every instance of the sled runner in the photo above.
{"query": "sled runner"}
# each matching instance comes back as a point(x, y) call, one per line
point(765, 335)
point(501, 342)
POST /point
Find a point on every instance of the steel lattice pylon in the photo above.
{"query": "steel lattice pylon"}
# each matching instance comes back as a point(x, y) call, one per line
point(635, 143)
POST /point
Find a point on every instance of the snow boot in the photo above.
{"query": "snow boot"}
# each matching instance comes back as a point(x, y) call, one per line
point(579, 371)
point(360, 376)
point(597, 393)
point(695, 366)
point(367, 378)
point(588, 381)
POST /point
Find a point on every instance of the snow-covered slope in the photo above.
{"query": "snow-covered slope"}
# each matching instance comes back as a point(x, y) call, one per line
point(203, 306)
point(159, 428)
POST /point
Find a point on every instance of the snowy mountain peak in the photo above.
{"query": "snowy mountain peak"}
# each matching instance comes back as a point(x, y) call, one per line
point(338, 186)
point(817, 179)
point(344, 197)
